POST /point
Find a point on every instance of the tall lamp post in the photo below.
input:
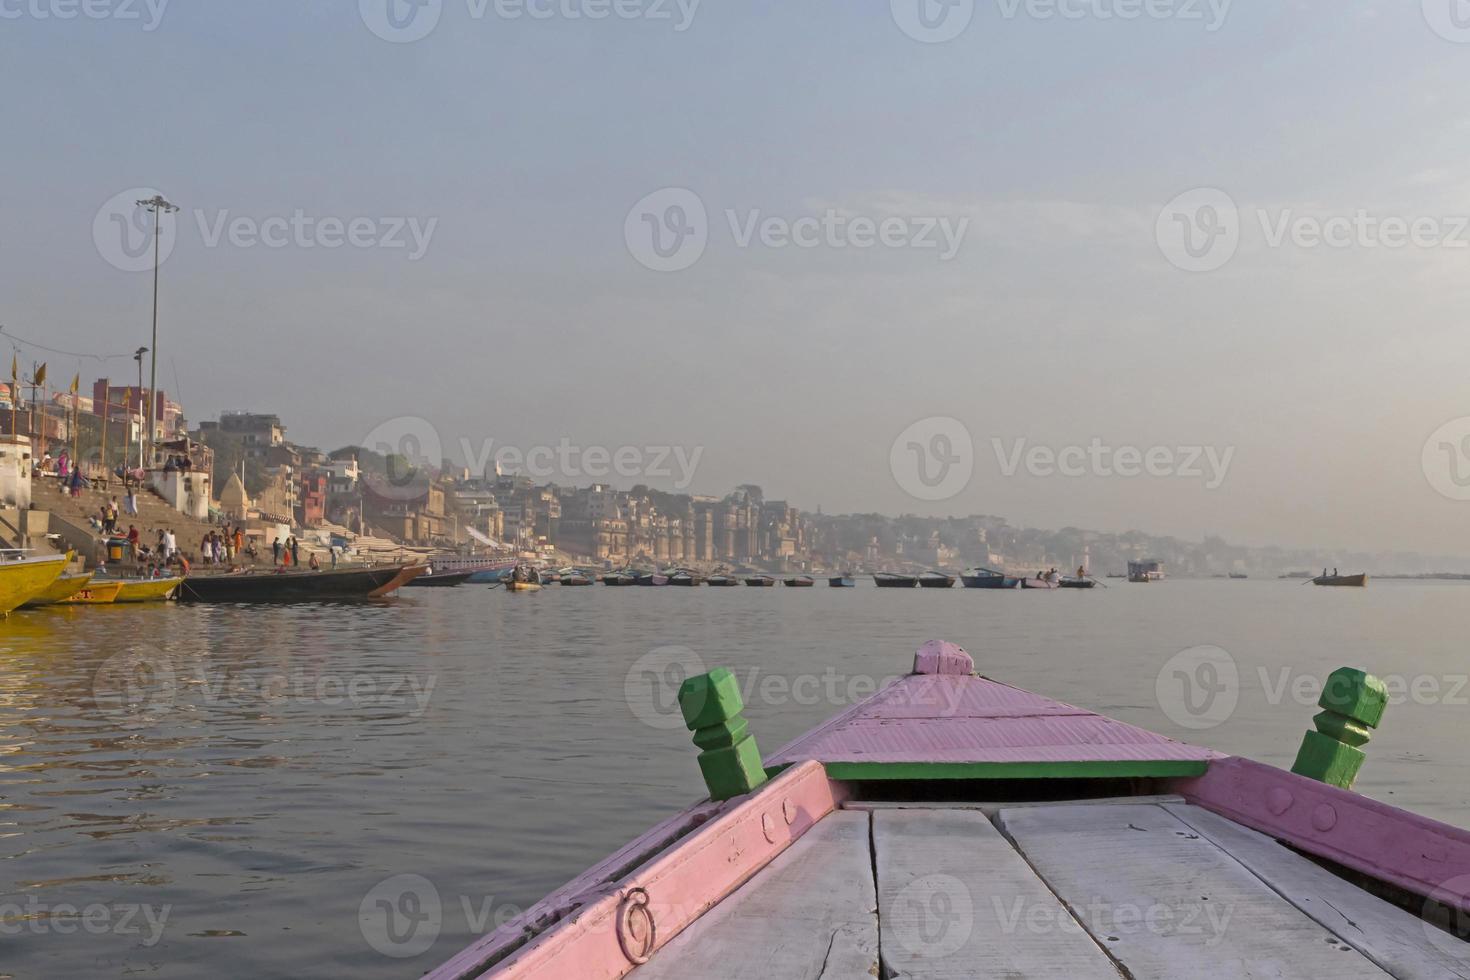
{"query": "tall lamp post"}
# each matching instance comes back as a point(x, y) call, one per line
point(138, 356)
point(158, 207)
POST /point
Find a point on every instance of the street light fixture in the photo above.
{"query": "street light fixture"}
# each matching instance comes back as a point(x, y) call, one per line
point(158, 207)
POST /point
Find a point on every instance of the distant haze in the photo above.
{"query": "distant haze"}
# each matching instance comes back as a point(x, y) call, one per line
point(1241, 233)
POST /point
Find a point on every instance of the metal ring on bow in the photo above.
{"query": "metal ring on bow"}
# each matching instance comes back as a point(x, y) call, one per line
point(637, 938)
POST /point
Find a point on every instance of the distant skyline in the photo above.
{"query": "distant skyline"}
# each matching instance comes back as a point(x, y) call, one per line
point(824, 246)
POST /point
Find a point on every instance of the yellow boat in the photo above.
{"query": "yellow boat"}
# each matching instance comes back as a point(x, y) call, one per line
point(61, 590)
point(148, 589)
point(22, 580)
point(95, 594)
point(522, 587)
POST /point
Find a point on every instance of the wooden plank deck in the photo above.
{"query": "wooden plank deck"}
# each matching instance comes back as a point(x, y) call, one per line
point(1403, 945)
point(1167, 902)
point(957, 901)
point(811, 915)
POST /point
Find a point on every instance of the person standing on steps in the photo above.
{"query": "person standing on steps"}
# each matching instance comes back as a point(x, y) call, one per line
point(275, 551)
point(295, 551)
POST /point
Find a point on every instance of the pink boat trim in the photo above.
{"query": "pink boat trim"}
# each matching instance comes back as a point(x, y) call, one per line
point(943, 715)
point(631, 919)
point(1420, 855)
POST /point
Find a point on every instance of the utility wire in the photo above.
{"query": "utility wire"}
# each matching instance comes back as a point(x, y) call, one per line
point(64, 353)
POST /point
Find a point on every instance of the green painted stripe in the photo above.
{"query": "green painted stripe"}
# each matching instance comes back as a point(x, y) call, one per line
point(919, 771)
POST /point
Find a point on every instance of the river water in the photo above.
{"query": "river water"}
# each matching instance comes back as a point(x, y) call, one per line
point(220, 791)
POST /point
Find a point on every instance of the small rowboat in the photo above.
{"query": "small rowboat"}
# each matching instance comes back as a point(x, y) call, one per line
point(760, 582)
point(1342, 581)
point(575, 580)
point(1076, 583)
point(652, 579)
point(61, 590)
point(95, 594)
point(801, 582)
point(936, 580)
point(985, 578)
point(722, 581)
point(523, 586)
point(686, 579)
point(1066, 844)
point(146, 590)
point(889, 580)
point(620, 580)
point(842, 582)
point(1038, 583)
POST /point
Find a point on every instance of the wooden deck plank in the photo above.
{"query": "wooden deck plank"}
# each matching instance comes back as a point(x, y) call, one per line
point(810, 915)
point(1167, 902)
point(1400, 943)
point(956, 901)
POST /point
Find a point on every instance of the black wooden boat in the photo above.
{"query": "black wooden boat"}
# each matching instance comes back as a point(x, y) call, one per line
point(685, 578)
point(722, 581)
point(440, 580)
point(842, 582)
point(1342, 581)
point(936, 580)
point(1076, 583)
point(620, 579)
point(801, 582)
point(890, 580)
point(282, 586)
point(761, 582)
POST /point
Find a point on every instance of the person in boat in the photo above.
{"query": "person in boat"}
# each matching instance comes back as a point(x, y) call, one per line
point(295, 551)
point(275, 551)
point(1081, 571)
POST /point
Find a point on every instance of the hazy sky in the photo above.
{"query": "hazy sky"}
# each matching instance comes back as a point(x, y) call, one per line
point(1025, 272)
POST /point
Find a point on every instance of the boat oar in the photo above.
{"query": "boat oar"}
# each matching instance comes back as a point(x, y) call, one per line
point(1095, 581)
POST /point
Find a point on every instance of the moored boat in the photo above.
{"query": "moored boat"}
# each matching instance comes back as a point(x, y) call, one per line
point(1342, 581)
point(278, 586)
point(892, 580)
point(145, 589)
point(620, 579)
point(760, 581)
point(831, 859)
point(59, 591)
point(722, 581)
point(842, 582)
point(649, 579)
point(936, 580)
point(685, 578)
point(800, 582)
point(23, 579)
point(575, 579)
point(95, 593)
point(1076, 583)
point(987, 578)
point(442, 580)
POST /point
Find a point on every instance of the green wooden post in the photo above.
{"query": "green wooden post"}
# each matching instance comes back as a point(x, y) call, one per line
point(1352, 706)
point(729, 759)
